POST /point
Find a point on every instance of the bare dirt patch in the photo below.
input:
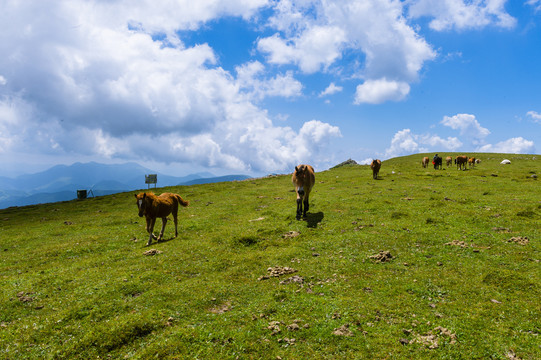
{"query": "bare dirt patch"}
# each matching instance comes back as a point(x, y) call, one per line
point(457, 243)
point(24, 296)
point(291, 234)
point(152, 252)
point(222, 308)
point(277, 271)
point(433, 338)
point(381, 257)
point(343, 331)
point(295, 279)
point(274, 326)
point(521, 240)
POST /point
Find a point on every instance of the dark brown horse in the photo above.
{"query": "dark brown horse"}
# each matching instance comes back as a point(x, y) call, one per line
point(460, 161)
point(303, 178)
point(152, 207)
point(375, 166)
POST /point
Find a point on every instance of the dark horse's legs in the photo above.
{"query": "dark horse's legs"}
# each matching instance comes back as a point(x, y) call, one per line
point(150, 228)
point(175, 212)
point(300, 197)
point(164, 222)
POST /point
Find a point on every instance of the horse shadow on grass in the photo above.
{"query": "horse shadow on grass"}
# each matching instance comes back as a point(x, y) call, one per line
point(313, 219)
point(163, 240)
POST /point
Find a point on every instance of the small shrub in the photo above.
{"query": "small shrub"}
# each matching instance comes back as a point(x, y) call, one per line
point(398, 215)
point(247, 241)
point(526, 213)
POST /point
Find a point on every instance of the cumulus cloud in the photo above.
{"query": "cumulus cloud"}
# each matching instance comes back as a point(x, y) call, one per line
point(249, 79)
point(94, 78)
point(331, 89)
point(534, 115)
point(317, 48)
point(373, 30)
point(467, 125)
point(461, 14)
point(381, 90)
point(517, 145)
point(314, 132)
point(405, 142)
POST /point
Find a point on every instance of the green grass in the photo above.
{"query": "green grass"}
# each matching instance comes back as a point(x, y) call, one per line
point(76, 284)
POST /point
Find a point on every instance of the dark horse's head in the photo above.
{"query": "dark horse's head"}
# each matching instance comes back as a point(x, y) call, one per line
point(300, 172)
point(141, 197)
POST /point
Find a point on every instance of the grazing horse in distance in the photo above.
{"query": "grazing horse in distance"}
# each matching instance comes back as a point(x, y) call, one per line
point(448, 160)
point(471, 162)
point(461, 160)
point(375, 166)
point(303, 178)
point(152, 207)
point(425, 161)
point(438, 162)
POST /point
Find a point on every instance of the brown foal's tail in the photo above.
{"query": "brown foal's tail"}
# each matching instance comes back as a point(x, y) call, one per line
point(181, 200)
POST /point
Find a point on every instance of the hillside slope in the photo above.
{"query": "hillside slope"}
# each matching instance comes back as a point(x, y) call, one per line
point(60, 183)
point(420, 263)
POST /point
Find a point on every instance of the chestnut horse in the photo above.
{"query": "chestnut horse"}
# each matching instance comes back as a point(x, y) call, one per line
point(152, 206)
point(303, 178)
point(461, 160)
point(375, 166)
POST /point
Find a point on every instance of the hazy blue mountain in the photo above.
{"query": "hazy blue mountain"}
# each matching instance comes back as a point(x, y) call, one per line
point(60, 183)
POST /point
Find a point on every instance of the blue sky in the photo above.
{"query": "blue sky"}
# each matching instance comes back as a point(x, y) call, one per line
point(258, 86)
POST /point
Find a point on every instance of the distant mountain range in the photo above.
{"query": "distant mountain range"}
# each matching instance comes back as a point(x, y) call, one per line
point(60, 183)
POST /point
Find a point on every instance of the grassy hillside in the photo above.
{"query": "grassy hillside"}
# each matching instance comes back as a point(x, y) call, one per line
point(462, 279)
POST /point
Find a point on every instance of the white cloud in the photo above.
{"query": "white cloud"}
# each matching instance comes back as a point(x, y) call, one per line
point(381, 90)
point(168, 16)
point(315, 34)
point(314, 132)
point(317, 48)
point(366, 161)
point(331, 89)
point(536, 4)
point(435, 142)
point(461, 15)
point(100, 85)
point(405, 142)
point(250, 80)
point(534, 115)
point(517, 145)
point(467, 124)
